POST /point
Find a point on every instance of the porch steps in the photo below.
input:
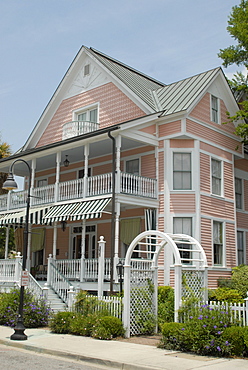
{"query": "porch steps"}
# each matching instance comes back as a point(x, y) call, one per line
point(56, 304)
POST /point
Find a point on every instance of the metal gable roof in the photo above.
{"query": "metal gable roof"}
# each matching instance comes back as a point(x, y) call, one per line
point(141, 84)
point(180, 95)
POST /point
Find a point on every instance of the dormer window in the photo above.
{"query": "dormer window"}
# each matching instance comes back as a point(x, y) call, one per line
point(214, 109)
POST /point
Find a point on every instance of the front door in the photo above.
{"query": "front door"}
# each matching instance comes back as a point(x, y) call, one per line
point(90, 242)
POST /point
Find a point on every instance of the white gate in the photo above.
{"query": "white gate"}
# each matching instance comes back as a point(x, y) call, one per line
point(141, 275)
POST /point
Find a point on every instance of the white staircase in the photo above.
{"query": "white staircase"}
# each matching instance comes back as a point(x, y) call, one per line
point(55, 303)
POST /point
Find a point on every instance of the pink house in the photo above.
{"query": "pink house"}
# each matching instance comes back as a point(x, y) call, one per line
point(176, 168)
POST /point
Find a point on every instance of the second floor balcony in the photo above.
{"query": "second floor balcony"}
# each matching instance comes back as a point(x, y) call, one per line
point(126, 183)
point(75, 128)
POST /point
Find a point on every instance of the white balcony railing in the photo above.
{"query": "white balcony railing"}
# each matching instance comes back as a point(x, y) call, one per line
point(75, 128)
point(74, 189)
point(71, 189)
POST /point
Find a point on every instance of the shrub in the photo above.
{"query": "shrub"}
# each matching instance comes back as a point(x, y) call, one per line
point(36, 312)
point(165, 305)
point(240, 279)
point(171, 335)
point(202, 331)
point(233, 337)
point(83, 325)
point(86, 304)
point(108, 327)
point(60, 322)
point(225, 283)
point(225, 295)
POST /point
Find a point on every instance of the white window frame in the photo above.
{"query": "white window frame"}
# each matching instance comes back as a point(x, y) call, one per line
point(38, 181)
point(241, 194)
point(222, 243)
point(86, 110)
point(173, 170)
point(221, 176)
point(215, 113)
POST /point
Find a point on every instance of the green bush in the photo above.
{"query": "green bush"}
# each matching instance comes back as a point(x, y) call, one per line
point(36, 312)
point(165, 305)
point(202, 331)
point(84, 325)
point(61, 321)
point(108, 327)
point(225, 295)
point(225, 283)
point(86, 304)
point(240, 279)
point(171, 335)
point(233, 337)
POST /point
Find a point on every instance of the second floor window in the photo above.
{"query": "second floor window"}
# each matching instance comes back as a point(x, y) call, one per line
point(216, 176)
point(217, 243)
point(132, 166)
point(182, 171)
point(238, 193)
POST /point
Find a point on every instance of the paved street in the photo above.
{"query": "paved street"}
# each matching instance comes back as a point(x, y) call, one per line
point(19, 359)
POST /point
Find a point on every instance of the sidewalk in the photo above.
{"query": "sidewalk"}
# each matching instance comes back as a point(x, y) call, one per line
point(115, 354)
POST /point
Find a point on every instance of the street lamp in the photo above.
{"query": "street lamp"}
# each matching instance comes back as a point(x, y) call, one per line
point(120, 271)
point(10, 184)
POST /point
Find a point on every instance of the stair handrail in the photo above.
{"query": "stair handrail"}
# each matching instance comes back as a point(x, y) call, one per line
point(59, 283)
point(36, 288)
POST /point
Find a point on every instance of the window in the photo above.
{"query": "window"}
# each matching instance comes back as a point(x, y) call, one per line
point(132, 166)
point(240, 246)
point(41, 182)
point(182, 171)
point(183, 225)
point(238, 193)
point(88, 116)
point(216, 176)
point(214, 109)
point(86, 69)
point(218, 243)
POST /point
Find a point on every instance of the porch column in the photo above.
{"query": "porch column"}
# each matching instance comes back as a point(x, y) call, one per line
point(29, 247)
point(33, 168)
point(6, 242)
point(82, 270)
point(101, 259)
point(117, 239)
point(55, 234)
point(118, 164)
point(58, 160)
point(86, 165)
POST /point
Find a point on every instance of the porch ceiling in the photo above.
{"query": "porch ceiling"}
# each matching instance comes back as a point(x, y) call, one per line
point(75, 154)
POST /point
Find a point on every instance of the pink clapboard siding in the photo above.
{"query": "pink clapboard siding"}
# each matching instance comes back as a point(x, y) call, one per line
point(115, 107)
point(205, 173)
point(182, 203)
point(230, 245)
point(206, 238)
point(148, 166)
point(215, 207)
point(242, 220)
point(169, 128)
point(228, 181)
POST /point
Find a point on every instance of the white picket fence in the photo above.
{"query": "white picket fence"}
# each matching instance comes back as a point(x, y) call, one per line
point(239, 310)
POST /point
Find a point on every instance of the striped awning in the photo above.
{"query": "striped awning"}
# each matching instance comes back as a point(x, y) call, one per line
point(76, 211)
point(35, 216)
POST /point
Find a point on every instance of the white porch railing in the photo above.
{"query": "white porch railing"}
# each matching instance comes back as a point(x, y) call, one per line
point(91, 268)
point(43, 195)
point(59, 283)
point(3, 201)
point(8, 270)
point(18, 199)
point(69, 268)
point(71, 189)
point(75, 128)
point(74, 189)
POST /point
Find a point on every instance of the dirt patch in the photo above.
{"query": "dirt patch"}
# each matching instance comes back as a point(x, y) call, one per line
point(149, 340)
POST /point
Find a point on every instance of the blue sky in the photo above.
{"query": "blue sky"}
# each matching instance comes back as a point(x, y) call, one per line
point(166, 39)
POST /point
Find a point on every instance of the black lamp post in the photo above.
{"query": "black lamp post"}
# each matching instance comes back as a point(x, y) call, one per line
point(10, 184)
point(120, 271)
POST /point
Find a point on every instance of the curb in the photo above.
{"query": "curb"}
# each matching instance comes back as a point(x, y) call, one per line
point(82, 358)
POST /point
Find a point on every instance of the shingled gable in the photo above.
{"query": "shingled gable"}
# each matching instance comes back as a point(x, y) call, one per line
point(133, 83)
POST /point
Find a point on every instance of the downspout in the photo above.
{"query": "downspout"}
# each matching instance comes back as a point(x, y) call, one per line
point(112, 251)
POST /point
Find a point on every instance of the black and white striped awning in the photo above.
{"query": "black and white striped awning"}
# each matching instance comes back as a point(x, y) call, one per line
point(35, 216)
point(76, 211)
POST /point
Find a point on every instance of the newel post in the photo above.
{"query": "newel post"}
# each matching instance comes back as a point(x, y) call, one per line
point(49, 269)
point(101, 263)
point(18, 267)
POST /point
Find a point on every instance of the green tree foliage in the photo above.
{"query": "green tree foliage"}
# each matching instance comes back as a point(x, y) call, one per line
point(11, 245)
point(238, 54)
point(4, 153)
